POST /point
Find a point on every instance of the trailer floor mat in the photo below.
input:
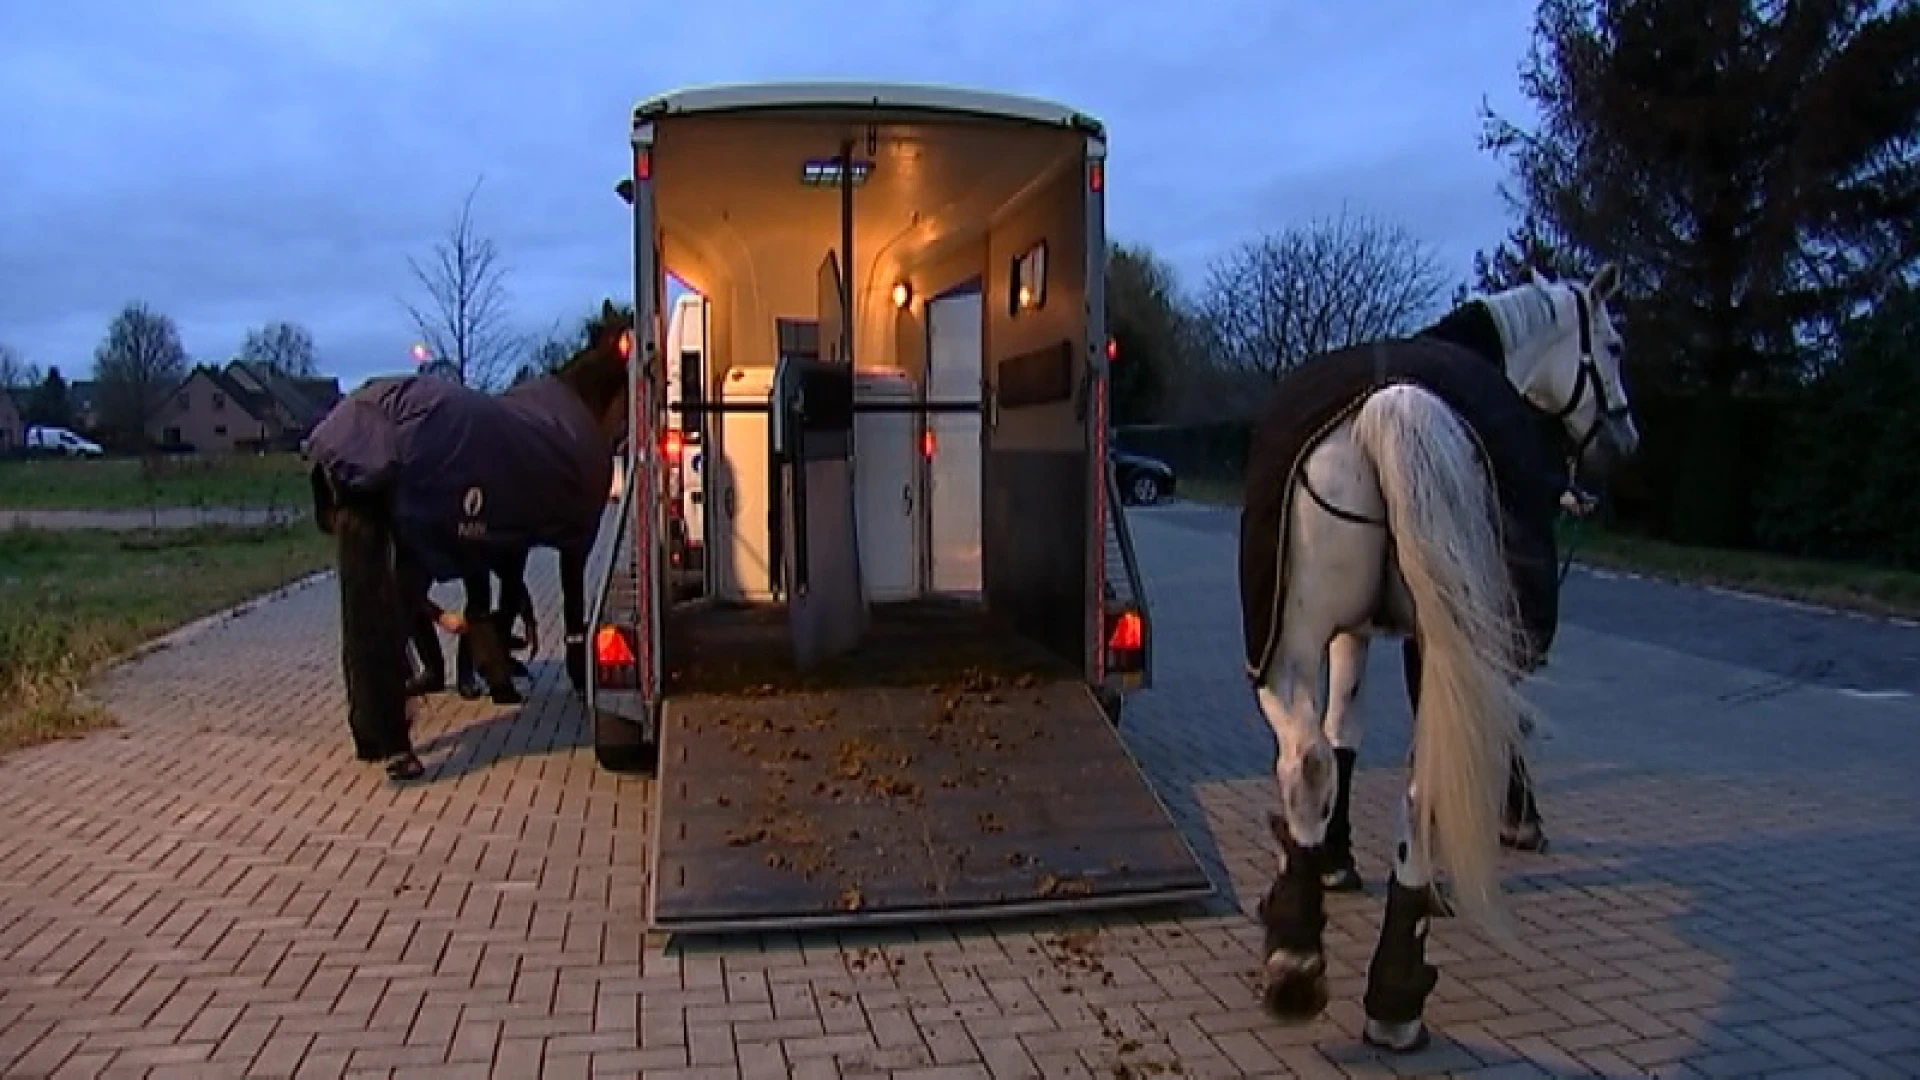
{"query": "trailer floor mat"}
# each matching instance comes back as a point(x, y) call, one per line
point(993, 797)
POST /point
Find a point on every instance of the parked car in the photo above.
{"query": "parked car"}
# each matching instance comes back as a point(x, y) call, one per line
point(1143, 480)
point(58, 440)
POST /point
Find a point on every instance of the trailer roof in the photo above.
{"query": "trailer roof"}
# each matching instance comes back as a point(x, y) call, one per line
point(750, 97)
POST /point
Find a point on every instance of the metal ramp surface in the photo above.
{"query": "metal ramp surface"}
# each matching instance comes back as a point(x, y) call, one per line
point(896, 805)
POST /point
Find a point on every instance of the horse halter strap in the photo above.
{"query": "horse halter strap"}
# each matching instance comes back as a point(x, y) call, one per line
point(1589, 374)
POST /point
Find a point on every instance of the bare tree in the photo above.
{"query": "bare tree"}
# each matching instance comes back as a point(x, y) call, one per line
point(137, 366)
point(1331, 283)
point(15, 372)
point(464, 321)
point(545, 354)
point(285, 347)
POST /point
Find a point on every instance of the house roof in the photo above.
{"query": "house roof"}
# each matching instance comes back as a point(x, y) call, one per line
point(304, 400)
point(257, 405)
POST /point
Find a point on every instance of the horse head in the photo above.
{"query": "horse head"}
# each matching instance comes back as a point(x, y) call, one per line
point(1569, 363)
point(598, 372)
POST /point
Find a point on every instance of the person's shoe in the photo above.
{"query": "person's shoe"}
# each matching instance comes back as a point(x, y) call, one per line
point(405, 766)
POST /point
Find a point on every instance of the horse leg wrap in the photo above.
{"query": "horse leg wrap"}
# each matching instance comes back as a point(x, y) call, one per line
point(1399, 978)
point(1335, 857)
point(1294, 915)
point(1520, 826)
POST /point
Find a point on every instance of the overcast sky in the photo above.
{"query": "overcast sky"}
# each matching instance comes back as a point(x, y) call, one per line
point(233, 161)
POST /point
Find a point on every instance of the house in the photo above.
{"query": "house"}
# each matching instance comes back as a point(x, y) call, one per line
point(211, 413)
point(83, 398)
point(297, 403)
point(13, 429)
point(241, 407)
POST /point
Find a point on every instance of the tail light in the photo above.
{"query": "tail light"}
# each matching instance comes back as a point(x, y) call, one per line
point(613, 659)
point(1126, 642)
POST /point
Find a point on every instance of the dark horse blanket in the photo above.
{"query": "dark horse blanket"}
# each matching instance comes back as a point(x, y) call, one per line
point(1314, 398)
point(469, 470)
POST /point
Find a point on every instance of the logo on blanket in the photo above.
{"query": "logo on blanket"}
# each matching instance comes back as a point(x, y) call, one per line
point(474, 501)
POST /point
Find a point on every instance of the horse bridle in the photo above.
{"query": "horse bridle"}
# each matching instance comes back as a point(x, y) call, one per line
point(1588, 374)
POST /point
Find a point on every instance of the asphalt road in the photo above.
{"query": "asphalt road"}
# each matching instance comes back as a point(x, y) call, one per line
point(1797, 644)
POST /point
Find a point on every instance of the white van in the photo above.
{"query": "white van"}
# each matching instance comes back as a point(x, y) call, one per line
point(58, 440)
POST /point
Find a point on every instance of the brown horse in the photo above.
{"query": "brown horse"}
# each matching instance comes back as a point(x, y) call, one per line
point(421, 479)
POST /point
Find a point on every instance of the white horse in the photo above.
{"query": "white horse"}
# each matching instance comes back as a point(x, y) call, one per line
point(1392, 524)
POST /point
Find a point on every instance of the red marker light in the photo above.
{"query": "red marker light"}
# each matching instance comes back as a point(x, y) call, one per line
point(1129, 633)
point(673, 442)
point(1113, 350)
point(926, 445)
point(1096, 177)
point(626, 345)
point(610, 648)
point(643, 165)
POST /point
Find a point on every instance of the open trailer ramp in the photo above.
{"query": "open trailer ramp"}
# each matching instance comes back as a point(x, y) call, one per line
point(995, 797)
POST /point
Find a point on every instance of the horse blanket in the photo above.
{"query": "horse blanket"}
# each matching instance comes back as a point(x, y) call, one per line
point(466, 469)
point(1314, 398)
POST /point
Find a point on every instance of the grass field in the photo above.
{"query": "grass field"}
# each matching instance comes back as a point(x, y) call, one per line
point(71, 601)
point(251, 481)
point(1846, 586)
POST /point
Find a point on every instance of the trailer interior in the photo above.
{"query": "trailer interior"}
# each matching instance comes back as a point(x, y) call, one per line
point(918, 597)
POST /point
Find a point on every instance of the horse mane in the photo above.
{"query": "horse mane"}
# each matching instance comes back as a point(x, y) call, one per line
point(1472, 327)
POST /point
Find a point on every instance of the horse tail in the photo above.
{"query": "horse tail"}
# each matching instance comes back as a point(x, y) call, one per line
point(372, 631)
point(1442, 514)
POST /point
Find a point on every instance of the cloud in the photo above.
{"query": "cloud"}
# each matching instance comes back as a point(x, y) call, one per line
point(230, 161)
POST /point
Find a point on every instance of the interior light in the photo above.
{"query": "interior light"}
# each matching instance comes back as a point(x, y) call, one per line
point(1113, 350)
point(626, 344)
point(1026, 297)
point(673, 442)
point(902, 294)
point(825, 172)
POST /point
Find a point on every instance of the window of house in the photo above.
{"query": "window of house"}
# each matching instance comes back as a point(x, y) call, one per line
point(184, 401)
point(220, 431)
point(171, 436)
point(219, 402)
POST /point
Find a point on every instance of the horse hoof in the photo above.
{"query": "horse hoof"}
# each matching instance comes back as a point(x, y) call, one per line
point(1406, 1038)
point(507, 695)
point(422, 685)
point(405, 766)
point(1527, 836)
point(472, 690)
point(1296, 985)
point(1343, 880)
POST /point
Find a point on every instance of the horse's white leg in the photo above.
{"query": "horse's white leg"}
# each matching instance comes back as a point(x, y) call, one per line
point(1399, 978)
point(1334, 569)
point(1346, 668)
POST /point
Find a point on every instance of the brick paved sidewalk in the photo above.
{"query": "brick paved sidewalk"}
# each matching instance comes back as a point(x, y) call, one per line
point(217, 889)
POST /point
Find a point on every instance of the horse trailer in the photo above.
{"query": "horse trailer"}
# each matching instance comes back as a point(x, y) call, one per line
point(896, 696)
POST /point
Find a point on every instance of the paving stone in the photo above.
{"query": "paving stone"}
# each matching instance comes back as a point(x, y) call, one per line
point(217, 888)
